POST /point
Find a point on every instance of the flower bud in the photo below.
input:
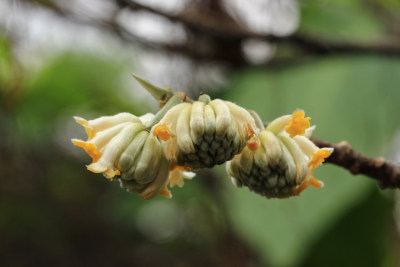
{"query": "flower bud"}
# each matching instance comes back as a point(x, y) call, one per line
point(283, 164)
point(121, 146)
point(204, 133)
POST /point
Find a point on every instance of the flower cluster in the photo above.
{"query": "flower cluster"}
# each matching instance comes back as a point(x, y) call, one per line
point(121, 146)
point(149, 152)
point(282, 166)
point(205, 133)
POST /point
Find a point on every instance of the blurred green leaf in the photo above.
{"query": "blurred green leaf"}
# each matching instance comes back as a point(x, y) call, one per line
point(73, 84)
point(360, 238)
point(6, 62)
point(74, 81)
point(351, 99)
point(344, 19)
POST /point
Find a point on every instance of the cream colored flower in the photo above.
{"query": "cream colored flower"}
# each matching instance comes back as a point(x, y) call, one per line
point(176, 176)
point(282, 166)
point(205, 133)
point(120, 145)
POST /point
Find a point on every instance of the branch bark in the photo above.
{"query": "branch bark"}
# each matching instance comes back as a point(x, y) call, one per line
point(231, 30)
point(386, 173)
point(221, 36)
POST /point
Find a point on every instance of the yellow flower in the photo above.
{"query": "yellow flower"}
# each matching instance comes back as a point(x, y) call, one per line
point(205, 133)
point(298, 124)
point(283, 164)
point(120, 145)
point(178, 175)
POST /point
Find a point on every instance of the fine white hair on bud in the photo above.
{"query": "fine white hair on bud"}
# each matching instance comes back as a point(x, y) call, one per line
point(282, 166)
point(205, 133)
point(222, 116)
point(197, 120)
point(184, 140)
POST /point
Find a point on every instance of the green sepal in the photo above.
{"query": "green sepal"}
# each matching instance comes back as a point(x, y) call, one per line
point(160, 94)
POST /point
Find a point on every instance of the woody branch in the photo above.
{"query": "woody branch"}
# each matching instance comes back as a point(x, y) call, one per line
point(208, 23)
point(386, 173)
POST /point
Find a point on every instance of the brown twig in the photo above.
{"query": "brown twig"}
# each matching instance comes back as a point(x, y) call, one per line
point(387, 173)
point(221, 36)
point(218, 23)
point(230, 31)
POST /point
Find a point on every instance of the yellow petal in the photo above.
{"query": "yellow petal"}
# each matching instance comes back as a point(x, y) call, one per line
point(88, 129)
point(316, 183)
point(90, 148)
point(301, 188)
point(165, 192)
point(112, 173)
point(298, 124)
point(177, 176)
point(319, 157)
point(97, 167)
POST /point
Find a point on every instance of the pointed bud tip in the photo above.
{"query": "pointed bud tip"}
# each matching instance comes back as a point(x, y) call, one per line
point(157, 92)
point(80, 120)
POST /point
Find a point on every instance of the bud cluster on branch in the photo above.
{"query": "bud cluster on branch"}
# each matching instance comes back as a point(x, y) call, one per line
point(149, 152)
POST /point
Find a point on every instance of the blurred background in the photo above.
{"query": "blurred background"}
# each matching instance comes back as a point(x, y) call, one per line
point(338, 60)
